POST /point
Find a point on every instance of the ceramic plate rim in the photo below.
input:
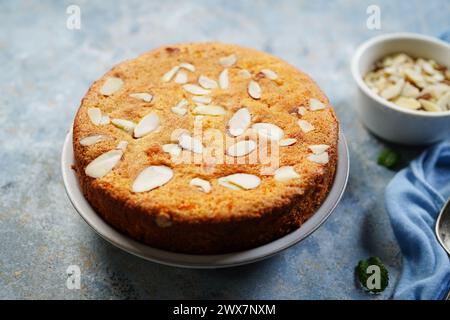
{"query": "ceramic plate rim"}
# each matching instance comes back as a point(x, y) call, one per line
point(136, 248)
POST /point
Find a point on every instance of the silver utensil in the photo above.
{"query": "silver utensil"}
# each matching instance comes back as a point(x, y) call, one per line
point(443, 227)
point(442, 230)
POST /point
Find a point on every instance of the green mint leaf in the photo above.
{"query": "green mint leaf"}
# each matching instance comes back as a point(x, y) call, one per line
point(372, 275)
point(388, 158)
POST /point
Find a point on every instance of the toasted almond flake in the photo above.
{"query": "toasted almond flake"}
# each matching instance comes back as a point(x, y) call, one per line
point(209, 110)
point(202, 99)
point(148, 124)
point(104, 120)
point(270, 74)
point(189, 143)
point(228, 61)
point(195, 89)
point(95, 115)
point(187, 66)
point(181, 107)
point(415, 78)
point(163, 221)
point(181, 77)
point(409, 91)
point(287, 142)
point(409, 103)
point(318, 148)
point(240, 181)
point(241, 148)
point(144, 96)
point(305, 126)
point(89, 141)
point(170, 74)
point(224, 83)
point(201, 184)
point(206, 82)
point(239, 122)
point(444, 102)
point(123, 124)
point(224, 182)
point(172, 148)
point(244, 73)
point(315, 105)
point(111, 85)
point(268, 131)
point(392, 91)
point(122, 145)
point(321, 158)
point(176, 134)
point(302, 110)
point(285, 173)
point(254, 90)
point(429, 106)
point(151, 178)
point(103, 164)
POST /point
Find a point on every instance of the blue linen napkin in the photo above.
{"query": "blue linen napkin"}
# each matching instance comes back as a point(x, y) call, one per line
point(414, 198)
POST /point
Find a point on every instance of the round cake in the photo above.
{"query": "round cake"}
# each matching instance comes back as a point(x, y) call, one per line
point(205, 148)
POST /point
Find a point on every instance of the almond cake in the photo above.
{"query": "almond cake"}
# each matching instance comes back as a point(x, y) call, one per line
point(205, 148)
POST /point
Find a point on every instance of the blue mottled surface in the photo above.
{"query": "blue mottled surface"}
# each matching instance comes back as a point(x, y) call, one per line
point(45, 71)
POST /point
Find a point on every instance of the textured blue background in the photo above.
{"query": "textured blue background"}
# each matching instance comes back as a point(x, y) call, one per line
point(45, 71)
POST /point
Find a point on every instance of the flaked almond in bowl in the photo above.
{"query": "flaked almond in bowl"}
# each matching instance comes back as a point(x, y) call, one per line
point(182, 151)
point(404, 88)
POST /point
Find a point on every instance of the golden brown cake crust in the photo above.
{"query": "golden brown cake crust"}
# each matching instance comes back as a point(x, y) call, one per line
point(177, 216)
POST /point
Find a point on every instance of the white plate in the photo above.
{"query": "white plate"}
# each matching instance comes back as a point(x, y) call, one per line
point(201, 261)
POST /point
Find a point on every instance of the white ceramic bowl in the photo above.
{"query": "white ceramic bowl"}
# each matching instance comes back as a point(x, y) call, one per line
point(384, 118)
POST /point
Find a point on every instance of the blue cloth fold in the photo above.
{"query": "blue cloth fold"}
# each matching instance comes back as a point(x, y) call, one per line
point(414, 198)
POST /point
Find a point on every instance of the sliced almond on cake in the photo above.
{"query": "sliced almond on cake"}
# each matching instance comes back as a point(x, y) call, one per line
point(181, 108)
point(240, 181)
point(189, 143)
point(268, 131)
point(286, 173)
point(187, 66)
point(122, 145)
point(209, 110)
point(239, 122)
point(305, 126)
point(254, 90)
point(201, 184)
point(195, 89)
point(172, 148)
point(207, 83)
point(270, 74)
point(111, 85)
point(223, 79)
point(302, 110)
point(241, 148)
point(181, 77)
point(91, 140)
point(123, 124)
point(319, 148)
point(147, 125)
point(321, 158)
point(151, 178)
point(144, 96)
point(170, 74)
point(244, 73)
point(103, 164)
point(287, 142)
point(97, 117)
point(202, 99)
point(228, 61)
point(315, 104)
